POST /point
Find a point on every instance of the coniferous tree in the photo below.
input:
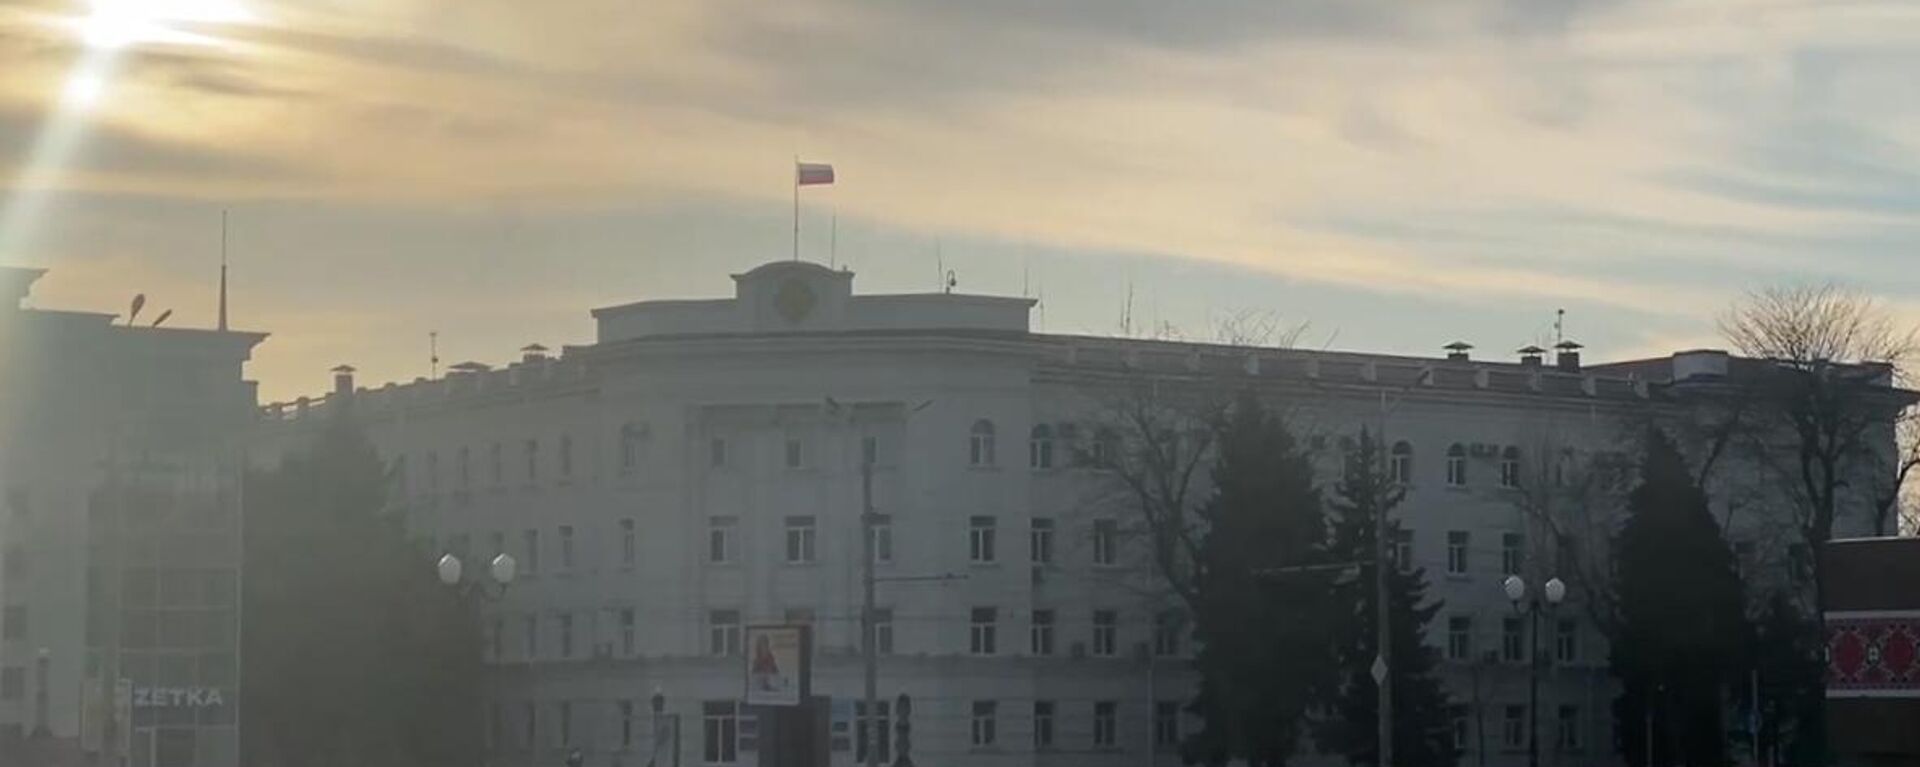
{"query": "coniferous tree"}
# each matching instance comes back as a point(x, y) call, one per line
point(354, 652)
point(1261, 623)
point(1678, 651)
point(1421, 727)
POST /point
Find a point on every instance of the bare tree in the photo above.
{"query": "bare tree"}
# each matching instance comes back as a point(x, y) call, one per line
point(1827, 403)
point(1571, 499)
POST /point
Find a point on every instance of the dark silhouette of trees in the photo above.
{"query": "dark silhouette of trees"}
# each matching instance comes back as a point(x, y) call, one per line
point(1421, 731)
point(1262, 623)
point(1683, 630)
point(354, 652)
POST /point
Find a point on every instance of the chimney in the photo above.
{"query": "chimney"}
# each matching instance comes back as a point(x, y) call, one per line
point(1457, 351)
point(1568, 358)
point(343, 380)
point(1531, 356)
point(533, 353)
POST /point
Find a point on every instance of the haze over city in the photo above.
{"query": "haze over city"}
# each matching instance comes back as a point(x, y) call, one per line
point(1399, 175)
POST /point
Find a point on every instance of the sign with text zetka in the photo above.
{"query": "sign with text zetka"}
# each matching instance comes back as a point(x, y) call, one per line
point(1873, 654)
point(777, 665)
point(177, 697)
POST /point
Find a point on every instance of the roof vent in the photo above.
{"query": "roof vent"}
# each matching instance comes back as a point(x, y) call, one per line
point(343, 380)
point(1531, 356)
point(1457, 351)
point(532, 353)
point(1568, 358)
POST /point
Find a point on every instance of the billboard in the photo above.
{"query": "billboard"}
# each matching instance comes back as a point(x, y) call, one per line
point(777, 665)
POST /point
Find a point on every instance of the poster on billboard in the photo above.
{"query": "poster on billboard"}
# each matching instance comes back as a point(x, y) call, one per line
point(777, 665)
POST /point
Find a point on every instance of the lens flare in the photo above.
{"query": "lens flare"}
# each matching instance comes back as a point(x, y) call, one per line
point(119, 23)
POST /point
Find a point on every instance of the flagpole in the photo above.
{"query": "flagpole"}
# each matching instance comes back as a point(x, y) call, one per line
point(796, 207)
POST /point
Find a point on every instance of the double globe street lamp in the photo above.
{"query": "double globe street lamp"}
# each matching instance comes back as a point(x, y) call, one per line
point(500, 571)
point(1554, 592)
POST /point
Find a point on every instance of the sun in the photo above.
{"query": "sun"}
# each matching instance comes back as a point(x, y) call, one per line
point(112, 24)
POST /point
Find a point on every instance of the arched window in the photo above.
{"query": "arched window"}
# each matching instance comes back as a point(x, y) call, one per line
point(1040, 447)
point(631, 445)
point(980, 444)
point(1106, 448)
point(1456, 465)
point(1510, 467)
point(1400, 463)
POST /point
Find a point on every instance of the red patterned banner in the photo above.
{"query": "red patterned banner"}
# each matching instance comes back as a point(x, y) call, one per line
point(1873, 654)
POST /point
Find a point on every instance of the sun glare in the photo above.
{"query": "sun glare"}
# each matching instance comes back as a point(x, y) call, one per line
point(120, 23)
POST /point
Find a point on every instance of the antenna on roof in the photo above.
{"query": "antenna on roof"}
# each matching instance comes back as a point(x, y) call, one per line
point(939, 263)
point(223, 270)
point(1126, 311)
point(953, 281)
point(433, 354)
point(1559, 326)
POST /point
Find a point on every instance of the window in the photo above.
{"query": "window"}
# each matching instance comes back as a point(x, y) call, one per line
point(870, 450)
point(531, 562)
point(628, 552)
point(566, 723)
point(1459, 638)
point(13, 683)
point(1403, 549)
point(980, 540)
point(800, 534)
point(1166, 723)
point(717, 453)
point(880, 539)
point(533, 460)
point(796, 454)
point(466, 467)
point(1512, 553)
point(1042, 724)
point(1457, 552)
point(1400, 463)
point(1510, 467)
point(566, 455)
point(566, 547)
point(1040, 541)
point(1456, 465)
point(1167, 626)
point(626, 724)
point(1511, 649)
point(1567, 732)
point(983, 731)
point(498, 465)
point(719, 732)
point(1106, 630)
point(982, 633)
point(980, 444)
point(533, 636)
point(1040, 447)
point(565, 623)
point(1106, 543)
point(630, 445)
point(1513, 730)
point(1042, 632)
point(880, 724)
point(723, 632)
point(883, 631)
point(1566, 641)
point(626, 632)
point(1457, 720)
point(1105, 727)
point(1106, 448)
point(720, 539)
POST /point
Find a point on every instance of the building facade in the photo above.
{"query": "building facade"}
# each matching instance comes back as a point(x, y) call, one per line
point(696, 470)
point(119, 447)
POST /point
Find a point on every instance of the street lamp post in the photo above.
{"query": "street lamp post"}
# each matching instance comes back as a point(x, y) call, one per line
point(500, 571)
point(1554, 591)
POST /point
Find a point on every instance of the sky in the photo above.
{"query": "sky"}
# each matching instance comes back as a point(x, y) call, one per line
point(1393, 175)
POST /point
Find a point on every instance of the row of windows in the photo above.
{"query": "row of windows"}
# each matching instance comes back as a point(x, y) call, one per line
point(727, 729)
point(1042, 440)
point(1513, 645)
point(1400, 465)
point(1568, 728)
point(725, 628)
point(800, 542)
